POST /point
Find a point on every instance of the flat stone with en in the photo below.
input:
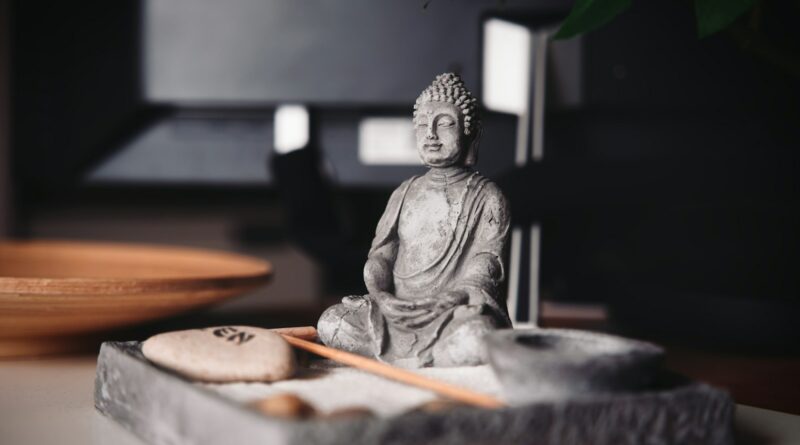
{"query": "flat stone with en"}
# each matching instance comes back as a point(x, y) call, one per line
point(223, 354)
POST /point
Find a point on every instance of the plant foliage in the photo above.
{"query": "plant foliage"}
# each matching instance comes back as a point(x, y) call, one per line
point(712, 15)
point(715, 15)
point(587, 15)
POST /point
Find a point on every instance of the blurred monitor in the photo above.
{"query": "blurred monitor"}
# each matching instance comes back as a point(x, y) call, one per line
point(361, 52)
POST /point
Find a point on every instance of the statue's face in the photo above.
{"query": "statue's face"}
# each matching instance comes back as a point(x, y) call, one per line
point(440, 138)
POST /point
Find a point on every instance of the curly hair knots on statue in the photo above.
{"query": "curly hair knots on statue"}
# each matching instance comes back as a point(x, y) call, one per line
point(449, 87)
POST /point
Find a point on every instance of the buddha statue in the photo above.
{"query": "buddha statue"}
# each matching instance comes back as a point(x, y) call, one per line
point(435, 265)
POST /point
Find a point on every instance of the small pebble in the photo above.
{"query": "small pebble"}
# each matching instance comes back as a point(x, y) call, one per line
point(352, 412)
point(284, 405)
point(223, 354)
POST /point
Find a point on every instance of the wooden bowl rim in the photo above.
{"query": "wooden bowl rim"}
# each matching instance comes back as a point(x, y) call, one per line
point(261, 271)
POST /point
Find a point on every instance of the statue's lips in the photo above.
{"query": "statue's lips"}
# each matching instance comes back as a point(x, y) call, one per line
point(433, 147)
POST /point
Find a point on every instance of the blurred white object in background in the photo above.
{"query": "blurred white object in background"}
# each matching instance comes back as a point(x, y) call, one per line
point(291, 128)
point(506, 66)
point(387, 141)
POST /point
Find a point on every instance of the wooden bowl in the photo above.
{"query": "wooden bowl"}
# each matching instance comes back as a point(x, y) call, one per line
point(53, 292)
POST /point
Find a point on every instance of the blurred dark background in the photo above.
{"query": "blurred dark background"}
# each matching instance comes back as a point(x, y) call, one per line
point(667, 192)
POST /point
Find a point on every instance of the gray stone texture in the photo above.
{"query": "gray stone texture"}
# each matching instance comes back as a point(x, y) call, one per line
point(554, 364)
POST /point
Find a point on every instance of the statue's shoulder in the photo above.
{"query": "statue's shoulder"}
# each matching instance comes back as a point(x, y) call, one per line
point(496, 208)
point(405, 184)
point(490, 190)
point(387, 223)
point(401, 189)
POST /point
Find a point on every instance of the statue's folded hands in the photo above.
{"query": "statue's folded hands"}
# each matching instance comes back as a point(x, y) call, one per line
point(418, 313)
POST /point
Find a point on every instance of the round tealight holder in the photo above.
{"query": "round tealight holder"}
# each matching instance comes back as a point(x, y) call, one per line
point(537, 365)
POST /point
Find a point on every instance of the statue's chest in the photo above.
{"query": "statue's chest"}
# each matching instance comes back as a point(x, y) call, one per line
point(425, 226)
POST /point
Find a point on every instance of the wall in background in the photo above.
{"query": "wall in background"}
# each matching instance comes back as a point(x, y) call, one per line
point(5, 137)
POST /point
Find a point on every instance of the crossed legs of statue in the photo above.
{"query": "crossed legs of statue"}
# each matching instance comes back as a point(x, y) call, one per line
point(356, 325)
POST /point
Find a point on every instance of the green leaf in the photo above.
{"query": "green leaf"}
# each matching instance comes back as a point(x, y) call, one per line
point(715, 15)
point(587, 15)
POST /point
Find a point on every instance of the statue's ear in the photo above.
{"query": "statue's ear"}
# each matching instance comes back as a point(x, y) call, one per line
point(471, 157)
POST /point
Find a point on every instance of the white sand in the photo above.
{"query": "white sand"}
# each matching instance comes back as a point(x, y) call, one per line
point(328, 387)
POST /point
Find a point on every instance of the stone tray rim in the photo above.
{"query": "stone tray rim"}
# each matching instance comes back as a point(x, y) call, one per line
point(121, 367)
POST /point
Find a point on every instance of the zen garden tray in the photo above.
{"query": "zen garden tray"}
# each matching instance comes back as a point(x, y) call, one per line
point(164, 408)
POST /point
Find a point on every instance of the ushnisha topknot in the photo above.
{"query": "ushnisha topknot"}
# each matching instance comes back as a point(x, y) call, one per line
point(449, 87)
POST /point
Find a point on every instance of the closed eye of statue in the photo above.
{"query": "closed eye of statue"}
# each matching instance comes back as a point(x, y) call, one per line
point(446, 122)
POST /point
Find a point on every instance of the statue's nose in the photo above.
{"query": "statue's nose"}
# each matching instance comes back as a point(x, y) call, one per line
point(430, 134)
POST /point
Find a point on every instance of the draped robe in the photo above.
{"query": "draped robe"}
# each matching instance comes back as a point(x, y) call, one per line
point(469, 263)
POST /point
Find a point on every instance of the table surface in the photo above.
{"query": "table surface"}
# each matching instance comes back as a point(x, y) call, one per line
point(51, 401)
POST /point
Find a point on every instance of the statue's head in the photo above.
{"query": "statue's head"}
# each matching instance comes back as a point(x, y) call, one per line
point(447, 123)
